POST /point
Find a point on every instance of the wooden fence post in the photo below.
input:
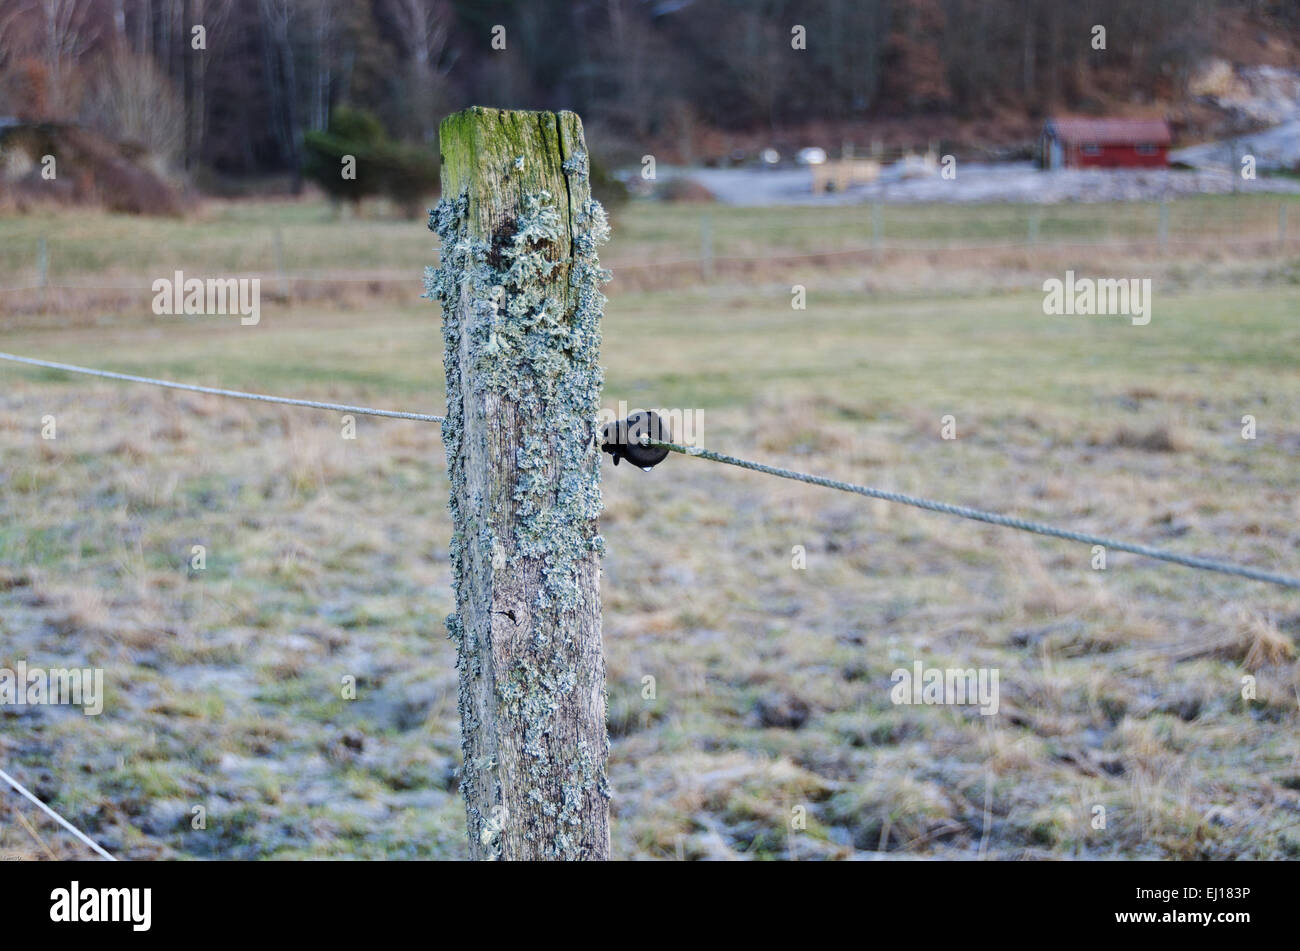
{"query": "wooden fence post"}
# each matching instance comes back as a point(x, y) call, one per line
point(519, 284)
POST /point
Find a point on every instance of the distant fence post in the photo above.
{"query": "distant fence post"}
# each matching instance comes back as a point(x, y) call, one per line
point(43, 268)
point(706, 246)
point(520, 290)
point(279, 263)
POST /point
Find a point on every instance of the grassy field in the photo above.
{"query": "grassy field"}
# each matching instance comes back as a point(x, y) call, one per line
point(314, 238)
point(327, 558)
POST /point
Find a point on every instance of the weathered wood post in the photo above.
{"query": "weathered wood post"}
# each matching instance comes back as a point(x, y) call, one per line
point(519, 283)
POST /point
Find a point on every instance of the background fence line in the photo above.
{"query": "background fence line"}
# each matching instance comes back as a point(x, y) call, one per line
point(708, 261)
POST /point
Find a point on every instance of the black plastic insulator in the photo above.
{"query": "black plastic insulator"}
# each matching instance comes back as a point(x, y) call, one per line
point(622, 439)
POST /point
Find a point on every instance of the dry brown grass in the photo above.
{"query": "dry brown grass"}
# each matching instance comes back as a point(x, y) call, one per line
point(327, 558)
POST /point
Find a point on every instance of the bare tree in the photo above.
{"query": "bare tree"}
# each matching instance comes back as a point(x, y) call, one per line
point(277, 18)
point(134, 101)
point(852, 48)
point(634, 64)
point(211, 15)
point(753, 46)
point(425, 28)
point(323, 27)
point(10, 34)
point(68, 32)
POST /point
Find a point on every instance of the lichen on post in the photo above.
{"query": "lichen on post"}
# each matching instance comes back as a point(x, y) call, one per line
point(519, 283)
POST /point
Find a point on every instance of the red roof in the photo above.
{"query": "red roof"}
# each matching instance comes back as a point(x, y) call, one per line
point(1082, 131)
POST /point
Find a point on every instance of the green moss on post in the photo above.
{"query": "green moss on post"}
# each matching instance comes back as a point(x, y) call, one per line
point(519, 285)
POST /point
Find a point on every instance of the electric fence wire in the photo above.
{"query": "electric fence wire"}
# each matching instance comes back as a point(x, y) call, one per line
point(979, 515)
point(932, 505)
point(22, 791)
point(237, 394)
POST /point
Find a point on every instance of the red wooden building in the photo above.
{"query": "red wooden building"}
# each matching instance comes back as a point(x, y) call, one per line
point(1077, 142)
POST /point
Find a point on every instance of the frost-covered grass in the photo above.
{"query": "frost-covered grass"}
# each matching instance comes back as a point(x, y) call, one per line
point(328, 558)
